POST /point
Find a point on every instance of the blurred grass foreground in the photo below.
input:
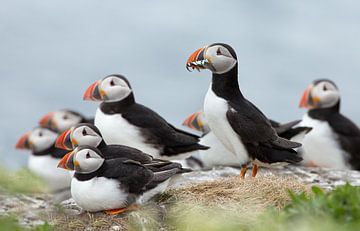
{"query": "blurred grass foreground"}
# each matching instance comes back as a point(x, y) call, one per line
point(265, 203)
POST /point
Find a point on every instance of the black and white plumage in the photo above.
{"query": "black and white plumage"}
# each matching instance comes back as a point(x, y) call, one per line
point(123, 121)
point(44, 158)
point(62, 120)
point(88, 134)
point(236, 122)
point(334, 141)
point(217, 154)
point(100, 184)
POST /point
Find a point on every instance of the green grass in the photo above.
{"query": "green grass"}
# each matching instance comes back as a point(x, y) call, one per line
point(9, 223)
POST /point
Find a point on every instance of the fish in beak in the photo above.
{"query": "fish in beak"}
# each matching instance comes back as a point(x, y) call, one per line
point(24, 142)
point(47, 121)
point(64, 140)
point(308, 100)
point(94, 93)
point(67, 162)
point(197, 60)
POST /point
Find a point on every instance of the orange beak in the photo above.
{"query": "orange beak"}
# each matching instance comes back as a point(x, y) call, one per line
point(197, 60)
point(62, 163)
point(46, 120)
point(93, 93)
point(307, 99)
point(23, 142)
point(63, 141)
point(193, 121)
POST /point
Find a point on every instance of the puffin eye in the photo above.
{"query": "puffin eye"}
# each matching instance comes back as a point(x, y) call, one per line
point(218, 51)
point(325, 88)
point(84, 133)
point(65, 117)
point(41, 134)
point(87, 155)
point(112, 83)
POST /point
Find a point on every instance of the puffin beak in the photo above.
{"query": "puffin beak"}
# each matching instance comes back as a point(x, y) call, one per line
point(23, 142)
point(63, 141)
point(307, 100)
point(197, 60)
point(194, 121)
point(47, 121)
point(67, 161)
point(93, 92)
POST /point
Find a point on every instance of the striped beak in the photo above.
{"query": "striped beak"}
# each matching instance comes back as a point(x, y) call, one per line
point(67, 162)
point(47, 121)
point(197, 60)
point(307, 99)
point(194, 121)
point(24, 142)
point(93, 92)
point(64, 140)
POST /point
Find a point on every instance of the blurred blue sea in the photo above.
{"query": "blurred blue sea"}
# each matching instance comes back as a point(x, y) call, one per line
point(50, 51)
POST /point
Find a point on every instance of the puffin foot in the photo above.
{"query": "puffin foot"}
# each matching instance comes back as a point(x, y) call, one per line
point(254, 170)
point(121, 210)
point(243, 171)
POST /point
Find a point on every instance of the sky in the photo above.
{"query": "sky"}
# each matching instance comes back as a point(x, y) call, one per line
point(50, 51)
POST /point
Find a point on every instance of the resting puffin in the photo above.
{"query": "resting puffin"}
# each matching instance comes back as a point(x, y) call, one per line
point(217, 154)
point(334, 141)
point(44, 158)
point(123, 121)
point(88, 134)
point(239, 125)
point(62, 120)
point(113, 185)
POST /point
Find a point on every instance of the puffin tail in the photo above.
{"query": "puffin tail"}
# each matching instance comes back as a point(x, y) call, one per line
point(274, 155)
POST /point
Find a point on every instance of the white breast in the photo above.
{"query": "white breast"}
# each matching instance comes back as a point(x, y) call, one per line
point(98, 194)
point(215, 109)
point(46, 168)
point(153, 192)
point(320, 146)
point(116, 130)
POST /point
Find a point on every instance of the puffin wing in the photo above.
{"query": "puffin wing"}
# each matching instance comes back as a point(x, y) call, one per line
point(253, 126)
point(122, 151)
point(158, 131)
point(129, 173)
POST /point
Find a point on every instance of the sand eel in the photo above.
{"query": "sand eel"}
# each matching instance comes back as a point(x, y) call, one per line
point(334, 141)
point(239, 125)
point(114, 185)
point(123, 121)
point(62, 120)
point(44, 158)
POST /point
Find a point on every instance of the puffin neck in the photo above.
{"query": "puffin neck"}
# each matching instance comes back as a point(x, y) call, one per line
point(102, 144)
point(118, 106)
point(44, 152)
point(226, 85)
point(324, 113)
point(88, 176)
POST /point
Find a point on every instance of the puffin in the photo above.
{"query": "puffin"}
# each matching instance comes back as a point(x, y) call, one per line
point(112, 185)
point(334, 141)
point(44, 158)
point(217, 154)
point(62, 120)
point(238, 124)
point(121, 120)
point(88, 134)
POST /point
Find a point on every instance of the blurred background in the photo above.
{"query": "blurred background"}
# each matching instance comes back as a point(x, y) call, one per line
point(50, 51)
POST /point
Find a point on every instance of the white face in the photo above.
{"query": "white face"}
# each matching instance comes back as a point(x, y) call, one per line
point(220, 59)
point(114, 88)
point(64, 120)
point(84, 135)
point(328, 95)
point(42, 139)
point(88, 160)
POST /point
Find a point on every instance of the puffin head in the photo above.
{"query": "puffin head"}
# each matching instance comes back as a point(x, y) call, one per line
point(322, 93)
point(37, 140)
point(84, 159)
point(79, 135)
point(60, 120)
point(112, 88)
point(219, 58)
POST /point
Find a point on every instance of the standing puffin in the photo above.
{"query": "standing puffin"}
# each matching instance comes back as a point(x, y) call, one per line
point(44, 158)
point(217, 154)
point(334, 141)
point(239, 125)
point(88, 134)
point(62, 120)
point(123, 121)
point(115, 185)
